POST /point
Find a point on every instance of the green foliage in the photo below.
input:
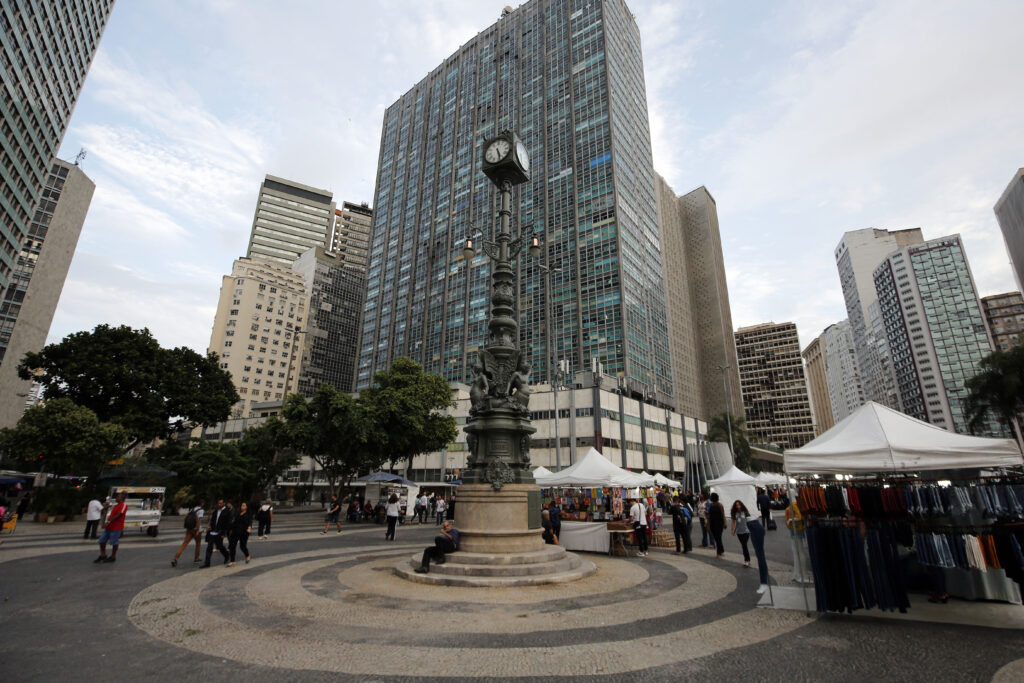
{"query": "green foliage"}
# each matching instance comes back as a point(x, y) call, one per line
point(63, 438)
point(331, 429)
point(125, 377)
point(718, 430)
point(997, 390)
point(58, 499)
point(405, 411)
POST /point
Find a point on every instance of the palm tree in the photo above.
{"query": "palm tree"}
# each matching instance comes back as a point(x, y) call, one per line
point(718, 430)
point(998, 388)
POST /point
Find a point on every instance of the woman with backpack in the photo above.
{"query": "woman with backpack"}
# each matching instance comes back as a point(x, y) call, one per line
point(193, 523)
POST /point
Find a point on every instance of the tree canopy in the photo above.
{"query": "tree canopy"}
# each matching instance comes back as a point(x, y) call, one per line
point(718, 430)
point(63, 438)
point(125, 377)
point(405, 408)
point(996, 391)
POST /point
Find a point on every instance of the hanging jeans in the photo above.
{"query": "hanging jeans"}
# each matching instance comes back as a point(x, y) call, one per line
point(757, 539)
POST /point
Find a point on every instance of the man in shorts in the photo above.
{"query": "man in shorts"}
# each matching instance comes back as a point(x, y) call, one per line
point(112, 529)
point(333, 512)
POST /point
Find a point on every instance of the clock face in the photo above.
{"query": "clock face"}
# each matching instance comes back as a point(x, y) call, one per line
point(497, 150)
point(524, 156)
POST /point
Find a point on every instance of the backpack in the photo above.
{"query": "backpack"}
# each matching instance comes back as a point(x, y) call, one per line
point(190, 520)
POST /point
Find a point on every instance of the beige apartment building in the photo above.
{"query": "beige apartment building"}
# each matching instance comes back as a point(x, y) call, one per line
point(350, 239)
point(817, 385)
point(697, 296)
point(1004, 315)
point(256, 330)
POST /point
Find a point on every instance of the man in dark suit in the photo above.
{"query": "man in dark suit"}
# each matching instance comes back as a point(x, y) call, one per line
point(217, 531)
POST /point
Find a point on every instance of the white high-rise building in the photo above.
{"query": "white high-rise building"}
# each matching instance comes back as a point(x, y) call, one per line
point(845, 391)
point(291, 218)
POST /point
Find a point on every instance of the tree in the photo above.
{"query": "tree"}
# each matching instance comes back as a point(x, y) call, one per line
point(330, 428)
point(997, 390)
point(125, 377)
point(261, 446)
point(63, 438)
point(718, 430)
point(405, 412)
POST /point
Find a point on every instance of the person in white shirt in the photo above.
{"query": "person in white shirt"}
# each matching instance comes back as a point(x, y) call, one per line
point(93, 515)
point(424, 508)
point(440, 508)
point(393, 510)
point(638, 513)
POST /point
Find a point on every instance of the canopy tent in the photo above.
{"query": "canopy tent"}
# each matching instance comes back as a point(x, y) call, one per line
point(662, 480)
point(593, 469)
point(771, 479)
point(542, 472)
point(878, 439)
point(387, 478)
point(735, 485)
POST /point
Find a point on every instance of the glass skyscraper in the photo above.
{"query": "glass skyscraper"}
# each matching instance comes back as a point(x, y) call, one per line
point(46, 48)
point(567, 76)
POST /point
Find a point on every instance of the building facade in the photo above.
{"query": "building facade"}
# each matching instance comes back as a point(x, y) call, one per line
point(774, 385)
point(817, 385)
point(936, 329)
point(845, 391)
point(350, 238)
point(30, 298)
point(568, 78)
point(1010, 214)
point(290, 219)
point(45, 52)
point(700, 319)
point(857, 255)
point(1004, 315)
point(262, 308)
point(334, 310)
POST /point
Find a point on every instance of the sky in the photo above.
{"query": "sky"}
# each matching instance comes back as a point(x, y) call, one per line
point(804, 119)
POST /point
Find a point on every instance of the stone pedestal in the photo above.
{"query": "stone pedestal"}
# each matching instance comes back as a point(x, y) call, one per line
point(491, 521)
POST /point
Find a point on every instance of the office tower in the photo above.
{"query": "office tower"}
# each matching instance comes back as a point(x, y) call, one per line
point(857, 255)
point(774, 388)
point(290, 219)
point(1004, 315)
point(334, 312)
point(1010, 214)
point(45, 51)
point(817, 385)
point(700, 320)
point(30, 298)
point(845, 390)
point(936, 329)
point(262, 307)
point(568, 78)
point(350, 238)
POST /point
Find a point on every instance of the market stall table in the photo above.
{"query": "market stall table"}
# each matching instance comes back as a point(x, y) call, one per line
point(586, 536)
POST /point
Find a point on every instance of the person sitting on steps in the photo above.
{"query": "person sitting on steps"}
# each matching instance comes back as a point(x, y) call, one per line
point(447, 542)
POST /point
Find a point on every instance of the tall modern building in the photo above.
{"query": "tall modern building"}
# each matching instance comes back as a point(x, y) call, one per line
point(46, 48)
point(568, 78)
point(1004, 315)
point(290, 219)
point(774, 385)
point(700, 319)
point(334, 311)
point(936, 329)
point(262, 307)
point(817, 385)
point(1010, 214)
point(857, 255)
point(30, 298)
point(350, 238)
point(845, 390)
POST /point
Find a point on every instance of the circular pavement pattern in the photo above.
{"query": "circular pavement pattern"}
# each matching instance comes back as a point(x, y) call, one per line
point(345, 612)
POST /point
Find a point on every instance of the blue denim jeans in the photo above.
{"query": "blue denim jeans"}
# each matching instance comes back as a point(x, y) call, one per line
point(757, 539)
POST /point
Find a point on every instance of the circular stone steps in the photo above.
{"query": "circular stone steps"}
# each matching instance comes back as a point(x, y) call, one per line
point(551, 565)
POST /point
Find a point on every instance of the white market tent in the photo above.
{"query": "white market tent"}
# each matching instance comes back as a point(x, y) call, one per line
point(771, 479)
point(541, 472)
point(878, 439)
point(663, 481)
point(735, 485)
point(593, 469)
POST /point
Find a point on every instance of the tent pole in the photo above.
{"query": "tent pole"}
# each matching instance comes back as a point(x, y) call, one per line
point(798, 543)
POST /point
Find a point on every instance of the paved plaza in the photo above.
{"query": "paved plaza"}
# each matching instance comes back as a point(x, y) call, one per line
point(328, 607)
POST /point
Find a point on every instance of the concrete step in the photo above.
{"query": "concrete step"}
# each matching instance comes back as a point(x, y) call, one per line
point(548, 554)
point(455, 568)
point(583, 569)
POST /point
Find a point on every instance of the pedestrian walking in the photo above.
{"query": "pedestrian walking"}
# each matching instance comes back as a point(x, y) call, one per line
point(555, 514)
point(740, 516)
point(193, 532)
point(241, 527)
point(218, 528)
point(333, 515)
point(424, 509)
point(23, 504)
point(638, 513)
point(764, 504)
point(93, 515)
point(393, 510)
point(440, 507)
point(682, 524)
point(264, 516)
point(716, 522)
point(112, 529)
point(706, 539)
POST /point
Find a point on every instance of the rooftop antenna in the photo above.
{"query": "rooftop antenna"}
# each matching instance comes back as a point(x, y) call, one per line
point(80, 157)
